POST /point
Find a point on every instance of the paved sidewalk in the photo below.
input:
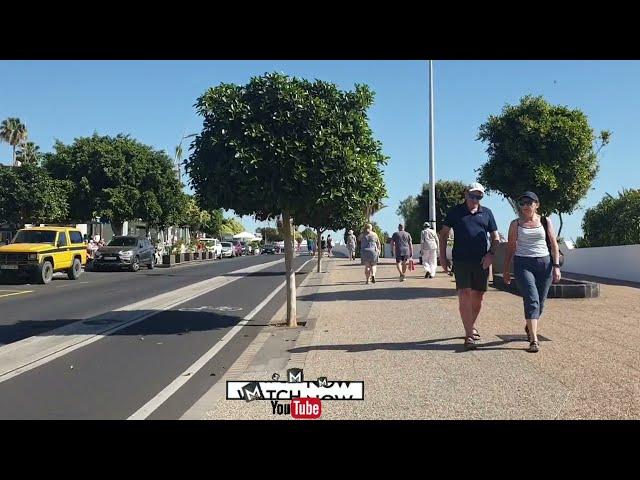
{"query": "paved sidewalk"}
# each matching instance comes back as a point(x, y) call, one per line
point(404, 340)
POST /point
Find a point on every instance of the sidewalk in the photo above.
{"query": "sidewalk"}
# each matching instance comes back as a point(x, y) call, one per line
point(404, 340)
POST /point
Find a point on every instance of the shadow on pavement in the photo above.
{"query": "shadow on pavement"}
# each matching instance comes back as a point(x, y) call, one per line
point(381, 294)
point(435, 344)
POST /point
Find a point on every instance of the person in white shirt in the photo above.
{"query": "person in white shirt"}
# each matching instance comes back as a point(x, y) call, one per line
point(429, 245)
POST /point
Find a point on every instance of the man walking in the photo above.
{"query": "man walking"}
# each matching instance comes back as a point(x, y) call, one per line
point(402, 248)
point(471, 223)
point(429, 248)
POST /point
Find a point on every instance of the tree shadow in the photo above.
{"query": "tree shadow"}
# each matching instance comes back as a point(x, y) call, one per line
point(409, 293)
point(167, 322)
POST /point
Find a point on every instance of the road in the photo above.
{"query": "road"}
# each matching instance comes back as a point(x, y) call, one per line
point(112, 343)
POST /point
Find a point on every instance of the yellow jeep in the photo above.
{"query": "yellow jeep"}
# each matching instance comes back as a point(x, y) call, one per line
point(39, 252)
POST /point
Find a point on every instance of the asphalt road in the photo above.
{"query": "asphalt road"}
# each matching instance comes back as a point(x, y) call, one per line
point(115, 376)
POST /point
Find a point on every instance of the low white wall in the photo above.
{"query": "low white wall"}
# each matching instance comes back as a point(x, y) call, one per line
point(620, 263)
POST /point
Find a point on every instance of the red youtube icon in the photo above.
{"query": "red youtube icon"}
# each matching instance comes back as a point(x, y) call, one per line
point(306, 408)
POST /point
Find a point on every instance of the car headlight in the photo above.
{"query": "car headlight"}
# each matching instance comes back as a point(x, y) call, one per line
point(33, 256)
point(126, 253)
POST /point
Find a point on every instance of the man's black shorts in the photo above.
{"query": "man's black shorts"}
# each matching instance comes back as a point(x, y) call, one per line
point(402, 258)
point(471, 275)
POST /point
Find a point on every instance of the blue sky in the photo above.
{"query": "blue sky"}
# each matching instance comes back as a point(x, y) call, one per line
point(153, 102)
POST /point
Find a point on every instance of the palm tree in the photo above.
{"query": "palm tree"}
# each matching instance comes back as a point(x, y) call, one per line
point(14, 132)
point(373, 208)
point(29, 153)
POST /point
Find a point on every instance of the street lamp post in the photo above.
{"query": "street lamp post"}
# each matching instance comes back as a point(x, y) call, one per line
point(432, 169)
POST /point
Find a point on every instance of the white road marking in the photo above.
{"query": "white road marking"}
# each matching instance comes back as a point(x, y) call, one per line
point(26, 354)
point(153, 404)
point(15, 292)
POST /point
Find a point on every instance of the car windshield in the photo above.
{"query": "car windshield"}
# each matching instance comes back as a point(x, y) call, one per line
point(123, 242)
point(225, 244)
point(35, 236)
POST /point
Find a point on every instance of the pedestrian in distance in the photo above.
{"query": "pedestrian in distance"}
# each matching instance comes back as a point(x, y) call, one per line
point(429, 245)
point(369, 252)
point(351, 245)
point(402, 249)
point(329, 245)
point(533, 246)
point(471, 258)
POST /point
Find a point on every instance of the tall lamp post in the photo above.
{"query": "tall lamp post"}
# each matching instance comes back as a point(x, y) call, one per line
point(432, 168)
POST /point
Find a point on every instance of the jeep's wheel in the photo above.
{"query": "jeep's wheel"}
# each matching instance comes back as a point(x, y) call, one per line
point(45, 273)
point(135, 264)
point(76, 269)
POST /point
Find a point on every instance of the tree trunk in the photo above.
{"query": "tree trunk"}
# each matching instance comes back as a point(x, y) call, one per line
point(14, 155)
point(559, 229)
point(290, 273)
point(514, 206)
point(116, 227)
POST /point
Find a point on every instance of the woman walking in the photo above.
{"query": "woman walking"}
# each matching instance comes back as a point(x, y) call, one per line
point(369, 251)
point(351, 245)
point(536, 263)
point(429, 246)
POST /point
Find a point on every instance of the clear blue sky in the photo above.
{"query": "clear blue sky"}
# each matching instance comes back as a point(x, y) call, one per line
point(153, 101)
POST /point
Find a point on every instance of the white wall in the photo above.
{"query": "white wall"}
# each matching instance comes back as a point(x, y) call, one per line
point(621, 263)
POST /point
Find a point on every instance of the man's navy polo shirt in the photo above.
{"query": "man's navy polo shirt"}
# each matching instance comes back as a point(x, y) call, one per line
point(470, 232)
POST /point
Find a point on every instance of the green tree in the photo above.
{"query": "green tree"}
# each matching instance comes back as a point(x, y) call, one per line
point(409, 211)
point(214, 224)
point(14, 132)
point(232, 226)
point(613, 221)
point(285, 146)
point(270, 234)
point(29, 195)
point(549, 149)
point(117, 178)
point(415, 210)
point(308, 234)
point(29, 153)
point(449, 193)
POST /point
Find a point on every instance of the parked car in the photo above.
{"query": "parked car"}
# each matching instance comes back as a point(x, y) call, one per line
point(228, 250)
point(237, 245)
point(269, 249)
point(125, 252)
point(213, 245)
point(39, 252)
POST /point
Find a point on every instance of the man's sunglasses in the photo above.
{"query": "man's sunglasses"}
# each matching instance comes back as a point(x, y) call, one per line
point(527, 203)
point(473, 196)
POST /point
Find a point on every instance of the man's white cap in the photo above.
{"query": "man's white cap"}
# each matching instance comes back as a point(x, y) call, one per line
point(476, 187)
